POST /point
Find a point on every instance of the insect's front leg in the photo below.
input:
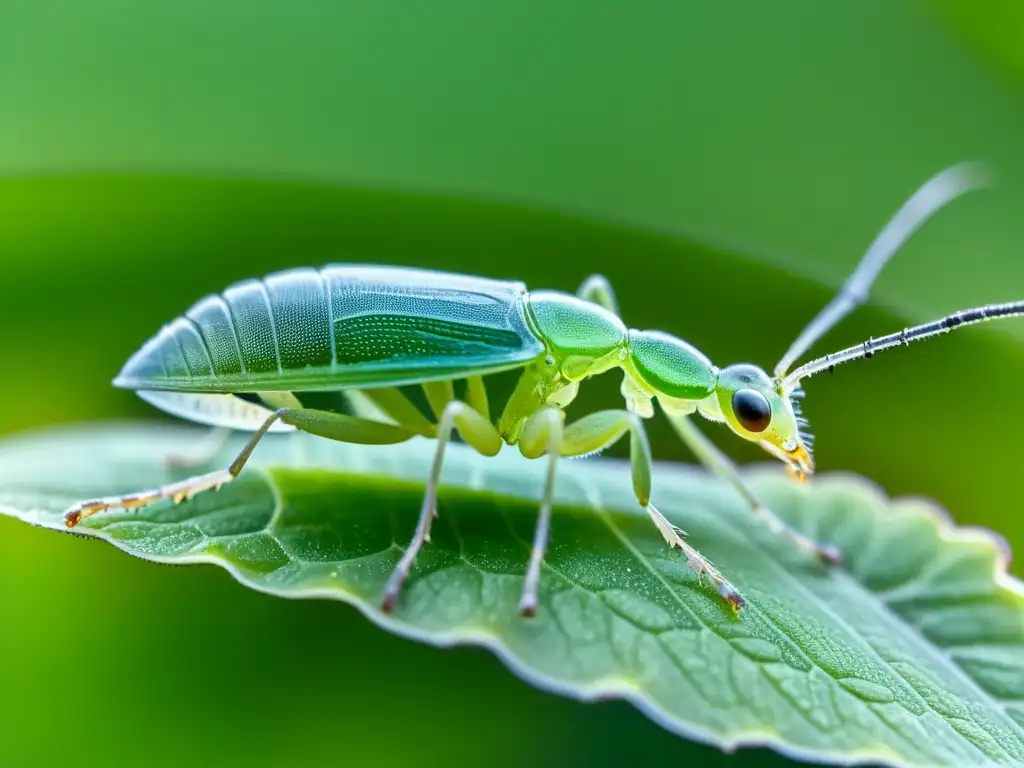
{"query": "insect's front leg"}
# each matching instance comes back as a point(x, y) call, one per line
point(599, 431)
point(722, 466)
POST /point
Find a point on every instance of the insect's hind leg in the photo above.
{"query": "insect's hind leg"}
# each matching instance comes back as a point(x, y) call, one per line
point(482, 436)
point(724, 468)
point(334, 426)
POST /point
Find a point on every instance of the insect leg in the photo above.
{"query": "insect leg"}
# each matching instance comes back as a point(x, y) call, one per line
point(439, 394)
point(334, 426)
point(601, 430)
point(597, 289)
point(478, 433)
point(179, 491)
point(476, 396)
point(345, 428)
point(724, 468)
point(542, 434)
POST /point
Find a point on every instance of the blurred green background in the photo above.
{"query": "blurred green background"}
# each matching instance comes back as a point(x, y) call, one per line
point(724, 164)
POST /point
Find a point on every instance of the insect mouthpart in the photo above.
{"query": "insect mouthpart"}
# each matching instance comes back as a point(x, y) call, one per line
point(799, 462)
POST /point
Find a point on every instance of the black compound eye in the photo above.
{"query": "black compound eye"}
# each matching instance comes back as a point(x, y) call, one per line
point(752, 410)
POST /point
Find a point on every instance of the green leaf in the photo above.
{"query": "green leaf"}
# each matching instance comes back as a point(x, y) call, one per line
point(910, 655)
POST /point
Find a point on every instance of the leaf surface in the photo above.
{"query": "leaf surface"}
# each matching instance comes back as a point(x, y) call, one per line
point(912, 654)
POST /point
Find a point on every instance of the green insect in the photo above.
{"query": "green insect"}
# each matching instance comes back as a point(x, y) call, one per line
point(249, 358)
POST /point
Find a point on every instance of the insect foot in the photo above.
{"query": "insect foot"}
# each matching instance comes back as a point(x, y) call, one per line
point(730, 595)
point(826, 553)
point(390, 601)
point(528, 606)
point(695, 561)
point(83, 509)
point(830, 554)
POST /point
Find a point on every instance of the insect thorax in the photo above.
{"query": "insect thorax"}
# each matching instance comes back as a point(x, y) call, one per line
point(580, 339)
point(583, 339)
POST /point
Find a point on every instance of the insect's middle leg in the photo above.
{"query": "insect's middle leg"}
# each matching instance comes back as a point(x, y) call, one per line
point(545, 433)
point(724, 468)
point(334, 426)
point(481, 435)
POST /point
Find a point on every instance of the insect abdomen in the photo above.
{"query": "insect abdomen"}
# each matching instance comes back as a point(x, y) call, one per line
point(336, 327)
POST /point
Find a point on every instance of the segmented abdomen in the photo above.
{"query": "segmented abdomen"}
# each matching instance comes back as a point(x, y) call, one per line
point(338, 327)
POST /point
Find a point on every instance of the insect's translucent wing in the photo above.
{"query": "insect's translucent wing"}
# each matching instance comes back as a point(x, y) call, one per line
point(937, 192)
point(340, 327)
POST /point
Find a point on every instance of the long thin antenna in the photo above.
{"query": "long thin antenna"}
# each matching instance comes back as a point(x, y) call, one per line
point(937, 192)
point(904, 337)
